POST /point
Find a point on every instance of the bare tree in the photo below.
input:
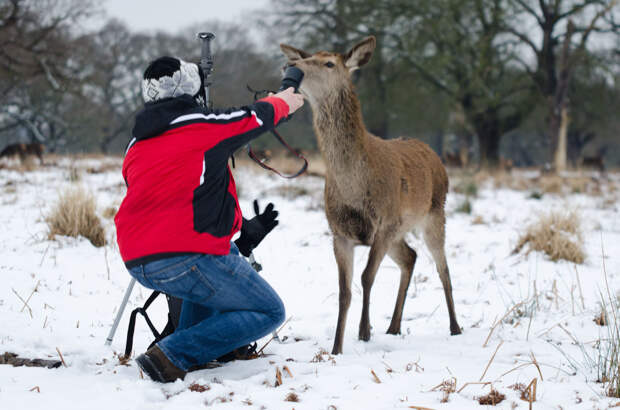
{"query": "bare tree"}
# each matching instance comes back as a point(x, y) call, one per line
point(558, 46)
point(36, 61)
point(458, 47)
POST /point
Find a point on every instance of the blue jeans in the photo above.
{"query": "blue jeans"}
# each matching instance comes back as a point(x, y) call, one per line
point(226, 304)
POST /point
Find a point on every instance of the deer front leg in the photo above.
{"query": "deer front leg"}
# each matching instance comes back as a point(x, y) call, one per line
point(343, 250)
point(377, 252)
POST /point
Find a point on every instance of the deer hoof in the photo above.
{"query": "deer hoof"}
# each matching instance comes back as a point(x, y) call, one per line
point(364, 333)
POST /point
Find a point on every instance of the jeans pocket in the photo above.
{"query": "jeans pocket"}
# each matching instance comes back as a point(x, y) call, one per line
point(163, 267)
point(188, 283)
point(228, 263)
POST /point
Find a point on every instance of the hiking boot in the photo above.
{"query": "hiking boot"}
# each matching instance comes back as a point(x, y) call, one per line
point(246, 352)
point(158, 367)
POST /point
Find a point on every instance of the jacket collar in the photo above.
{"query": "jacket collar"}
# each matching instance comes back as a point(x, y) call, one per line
point(154, 119)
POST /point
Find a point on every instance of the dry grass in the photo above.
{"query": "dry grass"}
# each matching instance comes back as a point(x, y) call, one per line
point(466, 186)
point(464, 207)
point(74, 215)
point(447, 387)
point(527, 180)
point(493, 398)
point(323, 356)
point(556, 234)
point(74, 174)
point(551, 184)
point(601, 318)
point(198, 388)
point(293, 397)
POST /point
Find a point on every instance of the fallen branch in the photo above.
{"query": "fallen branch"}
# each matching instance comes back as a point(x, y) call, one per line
point(288, 371)
point(36, 388)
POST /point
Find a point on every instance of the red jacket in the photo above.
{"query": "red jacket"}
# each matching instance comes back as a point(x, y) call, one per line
point(181, 196)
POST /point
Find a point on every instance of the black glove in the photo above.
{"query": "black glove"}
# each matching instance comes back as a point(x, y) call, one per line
point(254, 230)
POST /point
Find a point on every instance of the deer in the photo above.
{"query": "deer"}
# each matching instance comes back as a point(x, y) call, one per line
point(453, 160)
point(23, 151)
point(376, 190)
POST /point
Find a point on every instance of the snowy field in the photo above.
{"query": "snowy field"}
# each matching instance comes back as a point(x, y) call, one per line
point(73, 291)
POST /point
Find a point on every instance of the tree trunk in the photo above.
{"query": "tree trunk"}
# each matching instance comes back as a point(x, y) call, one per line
point(488, 141)
point(554, 123)
point(465, 143)
point(560, 152)
point(489, 150)
point(558, 120)
point(487, 129)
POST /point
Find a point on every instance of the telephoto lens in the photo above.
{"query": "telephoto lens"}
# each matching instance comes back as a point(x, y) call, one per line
point(292, 78)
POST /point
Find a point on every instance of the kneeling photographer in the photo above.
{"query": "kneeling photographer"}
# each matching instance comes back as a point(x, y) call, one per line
point(175, 224)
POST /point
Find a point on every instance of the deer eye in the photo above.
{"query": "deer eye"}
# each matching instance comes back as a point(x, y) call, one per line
point(329, 64)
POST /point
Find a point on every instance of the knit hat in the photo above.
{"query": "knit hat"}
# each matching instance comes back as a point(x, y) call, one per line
point(169, 77)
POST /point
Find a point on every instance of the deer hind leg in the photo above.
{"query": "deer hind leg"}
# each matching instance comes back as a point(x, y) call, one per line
point(343, 250)
point(405, 258)
point(434, 236)
point(378, 250)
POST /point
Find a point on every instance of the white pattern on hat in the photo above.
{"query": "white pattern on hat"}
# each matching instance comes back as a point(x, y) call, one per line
point(183, 81)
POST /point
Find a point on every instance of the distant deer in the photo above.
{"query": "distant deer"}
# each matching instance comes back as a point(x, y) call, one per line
point(375, 190)
point(596, 161)
point(452, 160)
point(23, 151)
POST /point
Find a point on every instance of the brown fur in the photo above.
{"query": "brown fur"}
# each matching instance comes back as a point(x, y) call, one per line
point(452, 160)
point(23, 151)
point(376, 191)
point(593, 162)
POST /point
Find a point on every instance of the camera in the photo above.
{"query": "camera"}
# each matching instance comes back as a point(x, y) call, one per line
point(292, 78)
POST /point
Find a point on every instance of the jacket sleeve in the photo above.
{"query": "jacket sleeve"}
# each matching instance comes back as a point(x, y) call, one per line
point(234, 128)
point(262, 116)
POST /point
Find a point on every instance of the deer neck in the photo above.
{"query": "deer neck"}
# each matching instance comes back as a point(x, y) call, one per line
point(340, 130)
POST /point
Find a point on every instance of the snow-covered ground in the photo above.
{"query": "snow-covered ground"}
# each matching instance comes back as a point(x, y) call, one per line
point(79, 289)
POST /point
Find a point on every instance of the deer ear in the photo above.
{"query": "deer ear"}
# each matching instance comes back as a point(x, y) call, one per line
point(293, 53)
point(360, 53)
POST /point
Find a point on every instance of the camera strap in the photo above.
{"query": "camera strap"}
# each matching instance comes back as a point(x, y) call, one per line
point(276, 134)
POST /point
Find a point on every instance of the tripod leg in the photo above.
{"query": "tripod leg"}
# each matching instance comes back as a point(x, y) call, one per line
point(121, 309)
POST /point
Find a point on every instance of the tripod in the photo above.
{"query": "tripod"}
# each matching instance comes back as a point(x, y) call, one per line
point(108, 341)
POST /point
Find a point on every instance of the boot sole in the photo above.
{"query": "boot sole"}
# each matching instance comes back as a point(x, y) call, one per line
point(147, 366)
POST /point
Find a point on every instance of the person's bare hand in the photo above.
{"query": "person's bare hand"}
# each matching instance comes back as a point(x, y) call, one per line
point(294, 101)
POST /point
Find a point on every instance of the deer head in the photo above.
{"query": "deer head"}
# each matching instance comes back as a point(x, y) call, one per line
point(326, 72)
